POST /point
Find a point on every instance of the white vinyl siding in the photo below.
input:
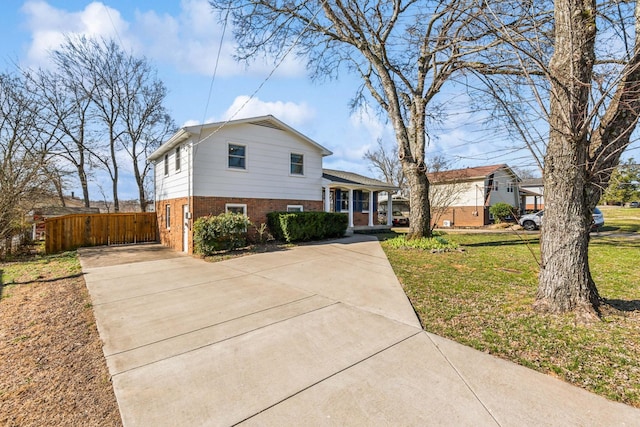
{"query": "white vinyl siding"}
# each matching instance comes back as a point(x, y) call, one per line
point(173, 185)
point(268, 162)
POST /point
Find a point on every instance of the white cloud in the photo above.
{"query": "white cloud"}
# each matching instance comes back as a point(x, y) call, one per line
point(189, 41)
point(49, 26)
point(293, 114)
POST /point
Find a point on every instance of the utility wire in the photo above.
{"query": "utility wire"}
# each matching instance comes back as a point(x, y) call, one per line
point(260, 86)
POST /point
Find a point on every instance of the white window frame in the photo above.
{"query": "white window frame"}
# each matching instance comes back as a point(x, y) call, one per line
point(166, 164)
point(344, 202)
point(167, 216)
point(365, 200)
point(296, 208)
point(228, 206)
point(246, 156)
point(291, 164)
point(178, 160)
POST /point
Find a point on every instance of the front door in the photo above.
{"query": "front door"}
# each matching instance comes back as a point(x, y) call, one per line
point(185, 228)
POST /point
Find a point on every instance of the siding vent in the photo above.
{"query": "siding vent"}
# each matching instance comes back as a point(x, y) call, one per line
point(267, 124)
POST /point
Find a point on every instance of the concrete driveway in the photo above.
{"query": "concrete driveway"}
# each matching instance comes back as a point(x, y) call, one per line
point(313, 335)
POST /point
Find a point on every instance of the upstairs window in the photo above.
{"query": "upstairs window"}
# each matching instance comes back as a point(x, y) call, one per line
point(297, 164)
point(237, 156)
point(166, 164)
point(177, 159)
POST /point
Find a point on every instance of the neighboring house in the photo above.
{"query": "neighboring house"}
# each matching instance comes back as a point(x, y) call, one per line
point(38, 216)
point(531, 194)
point(462, 197)
point(252, 166)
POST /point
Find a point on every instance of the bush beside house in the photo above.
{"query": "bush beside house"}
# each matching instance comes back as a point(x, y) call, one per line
point(501, 211)
point(305, 226)
point(226, 231)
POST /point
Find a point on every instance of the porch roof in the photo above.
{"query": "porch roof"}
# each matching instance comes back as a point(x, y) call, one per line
point(336, 178)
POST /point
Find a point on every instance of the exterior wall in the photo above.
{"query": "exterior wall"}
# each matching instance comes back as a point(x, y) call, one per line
point(471, 193)
point(176, 183)
point(362, 218)
point(257, 209)
point(267, 173)
point(463, 216)
point(171, 234)
point(507, 190)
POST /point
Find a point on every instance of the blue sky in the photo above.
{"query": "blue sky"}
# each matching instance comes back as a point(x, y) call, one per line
point(181, 39)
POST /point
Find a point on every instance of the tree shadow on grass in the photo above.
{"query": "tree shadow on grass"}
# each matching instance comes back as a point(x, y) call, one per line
point(534, 241)
point(29, 282)
point(623, 305)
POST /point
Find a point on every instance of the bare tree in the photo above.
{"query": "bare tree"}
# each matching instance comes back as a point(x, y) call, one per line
point(124, 103)
point(23, 155)
point(387, 166)
point(64, 103)
point(581, 68)
point(146, 124)
point(404, 52)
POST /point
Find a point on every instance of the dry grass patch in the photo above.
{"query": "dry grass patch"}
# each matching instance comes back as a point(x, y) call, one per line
point(52, 368)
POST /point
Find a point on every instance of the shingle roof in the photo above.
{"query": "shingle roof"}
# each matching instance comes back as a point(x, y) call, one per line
point(354, 179)
point(531, 182)
point(465, 174)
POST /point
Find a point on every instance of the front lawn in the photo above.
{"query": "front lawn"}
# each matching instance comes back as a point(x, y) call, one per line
point(482, 298)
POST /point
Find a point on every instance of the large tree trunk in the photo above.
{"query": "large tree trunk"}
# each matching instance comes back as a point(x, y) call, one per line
point(565, 283)
point(420, 213)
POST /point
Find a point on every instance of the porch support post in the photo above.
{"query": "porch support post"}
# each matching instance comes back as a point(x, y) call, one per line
point(389, 208)
point(327, 199)
point(371, 208)
point(351, 207)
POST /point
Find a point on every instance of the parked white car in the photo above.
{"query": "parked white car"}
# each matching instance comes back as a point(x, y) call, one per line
point(534, 221)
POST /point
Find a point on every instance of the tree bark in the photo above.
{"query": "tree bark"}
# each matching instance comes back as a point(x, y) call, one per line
point(420, 213)
point(565, 282)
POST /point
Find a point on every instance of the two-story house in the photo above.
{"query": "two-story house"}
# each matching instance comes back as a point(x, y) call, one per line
point(252, 166)
point(462, 197)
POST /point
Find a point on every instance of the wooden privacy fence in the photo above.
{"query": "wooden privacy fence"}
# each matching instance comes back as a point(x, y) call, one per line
point(70, 232)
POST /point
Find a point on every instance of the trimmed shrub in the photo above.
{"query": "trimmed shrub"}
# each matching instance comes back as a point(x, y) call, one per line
point(305, 226)
point(500, 211)
point(223, 232)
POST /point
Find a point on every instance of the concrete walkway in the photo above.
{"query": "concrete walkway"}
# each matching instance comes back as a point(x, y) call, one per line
point(313, 335)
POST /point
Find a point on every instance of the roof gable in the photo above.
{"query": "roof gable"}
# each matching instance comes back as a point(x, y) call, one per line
point(468, 174)
point(266, 121)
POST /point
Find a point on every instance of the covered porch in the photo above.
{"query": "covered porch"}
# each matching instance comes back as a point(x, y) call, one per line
point(356, 196)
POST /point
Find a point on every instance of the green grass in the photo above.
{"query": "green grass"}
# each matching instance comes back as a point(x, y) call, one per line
point(626, 220)
point(37, 268)
point(483, 298)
